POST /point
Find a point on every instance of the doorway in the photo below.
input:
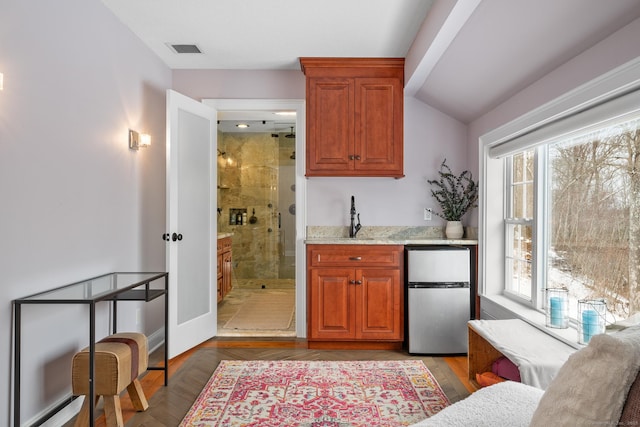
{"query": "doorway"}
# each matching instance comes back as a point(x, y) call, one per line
point(257, 199)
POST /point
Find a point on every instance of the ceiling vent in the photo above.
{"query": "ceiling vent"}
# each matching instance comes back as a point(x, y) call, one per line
point(185, 48)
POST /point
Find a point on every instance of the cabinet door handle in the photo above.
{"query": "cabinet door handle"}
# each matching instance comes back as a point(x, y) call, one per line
point(352, 157)
point(358, 282)
point(355, 258)
point(352, 282)
point(357, 157)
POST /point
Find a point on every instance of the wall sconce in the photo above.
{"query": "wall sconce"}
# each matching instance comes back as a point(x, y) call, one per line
point(138, 140)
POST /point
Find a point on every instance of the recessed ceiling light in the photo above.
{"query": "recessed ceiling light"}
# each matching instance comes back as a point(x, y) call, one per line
point(242, 125)
point(286, 113)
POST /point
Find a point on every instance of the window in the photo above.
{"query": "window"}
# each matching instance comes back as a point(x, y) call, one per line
point(580, 195)
point(560, 202)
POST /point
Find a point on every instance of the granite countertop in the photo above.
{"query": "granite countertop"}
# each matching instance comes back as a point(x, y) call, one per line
point(387, 241)
point(223, 235)
point(383, 235)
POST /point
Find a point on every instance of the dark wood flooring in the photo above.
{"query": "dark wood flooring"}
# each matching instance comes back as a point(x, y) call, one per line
point(190, 372)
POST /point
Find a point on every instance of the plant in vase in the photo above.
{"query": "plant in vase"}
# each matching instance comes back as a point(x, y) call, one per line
point(456, 195)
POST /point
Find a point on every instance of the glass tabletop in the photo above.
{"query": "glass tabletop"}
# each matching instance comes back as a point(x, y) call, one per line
point(94, 289)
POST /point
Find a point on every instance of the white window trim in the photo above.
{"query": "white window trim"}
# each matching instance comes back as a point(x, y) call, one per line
point(615, 83)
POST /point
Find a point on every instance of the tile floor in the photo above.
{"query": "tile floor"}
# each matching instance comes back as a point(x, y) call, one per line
point(232, 302)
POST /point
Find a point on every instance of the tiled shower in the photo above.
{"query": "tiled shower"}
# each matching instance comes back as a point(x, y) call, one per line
point(256, 202)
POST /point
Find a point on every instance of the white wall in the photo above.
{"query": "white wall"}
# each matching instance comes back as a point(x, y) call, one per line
point(240, 84)
point(75, 202)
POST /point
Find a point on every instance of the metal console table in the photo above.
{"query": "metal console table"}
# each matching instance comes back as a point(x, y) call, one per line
point(112, 287)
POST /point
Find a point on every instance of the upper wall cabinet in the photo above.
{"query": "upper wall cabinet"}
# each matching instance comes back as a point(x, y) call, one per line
point(354, 116)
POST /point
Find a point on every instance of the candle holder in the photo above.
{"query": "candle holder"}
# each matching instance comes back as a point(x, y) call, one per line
point(591, 319)
point(557, 308)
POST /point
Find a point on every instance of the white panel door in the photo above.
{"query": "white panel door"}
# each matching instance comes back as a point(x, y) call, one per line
point(191, 222)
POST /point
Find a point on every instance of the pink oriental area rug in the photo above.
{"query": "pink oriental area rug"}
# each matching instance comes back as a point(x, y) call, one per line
point(317, 394)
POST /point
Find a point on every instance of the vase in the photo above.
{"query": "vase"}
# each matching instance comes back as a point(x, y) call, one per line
point(454, 230)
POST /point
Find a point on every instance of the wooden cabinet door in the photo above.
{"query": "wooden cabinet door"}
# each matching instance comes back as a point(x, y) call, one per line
point(220, 274)
point(330, 125)
point(331, 313)
point(219, 264)
point(226, 272)
point(379, 127)
point(379, 304)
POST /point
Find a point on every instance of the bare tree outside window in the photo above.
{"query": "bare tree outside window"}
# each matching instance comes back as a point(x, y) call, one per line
point(594, 217)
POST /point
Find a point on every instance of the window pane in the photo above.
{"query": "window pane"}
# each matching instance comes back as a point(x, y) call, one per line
point(522, 185)
point(528, 165)
point(523, 200)
point(519, 226)
point(518, 162)
point(519, 260)
point(594, 218)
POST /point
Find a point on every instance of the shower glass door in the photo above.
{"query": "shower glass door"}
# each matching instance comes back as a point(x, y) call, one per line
point(256, 197)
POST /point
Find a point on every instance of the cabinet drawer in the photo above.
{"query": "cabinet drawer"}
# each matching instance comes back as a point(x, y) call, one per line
point(224, 244)
point(354, 255)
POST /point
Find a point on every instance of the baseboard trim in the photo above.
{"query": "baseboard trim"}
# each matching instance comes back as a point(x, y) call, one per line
point(355, 345)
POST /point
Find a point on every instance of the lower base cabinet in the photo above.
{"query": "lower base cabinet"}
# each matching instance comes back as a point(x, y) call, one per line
point(355, 296)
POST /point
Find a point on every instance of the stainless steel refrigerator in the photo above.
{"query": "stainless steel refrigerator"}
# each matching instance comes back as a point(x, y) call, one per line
point(439, 299)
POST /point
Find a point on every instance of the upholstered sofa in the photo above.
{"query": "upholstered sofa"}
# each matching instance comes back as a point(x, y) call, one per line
point(598, 385)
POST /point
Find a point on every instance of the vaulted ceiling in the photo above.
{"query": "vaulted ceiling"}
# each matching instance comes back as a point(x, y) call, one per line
point(463, 57)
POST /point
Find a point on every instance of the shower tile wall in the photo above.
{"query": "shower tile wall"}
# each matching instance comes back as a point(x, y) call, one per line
point(248, 178)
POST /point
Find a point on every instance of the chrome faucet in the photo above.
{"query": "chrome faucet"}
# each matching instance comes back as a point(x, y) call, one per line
point(354, 228)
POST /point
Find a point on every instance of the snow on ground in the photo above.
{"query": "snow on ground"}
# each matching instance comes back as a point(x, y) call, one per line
point(581, 288)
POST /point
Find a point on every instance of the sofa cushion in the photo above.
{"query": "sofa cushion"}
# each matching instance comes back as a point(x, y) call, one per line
point(506, 404)
point(591, 387)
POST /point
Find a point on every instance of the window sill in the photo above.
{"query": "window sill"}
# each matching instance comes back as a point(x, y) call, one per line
point(569, 335)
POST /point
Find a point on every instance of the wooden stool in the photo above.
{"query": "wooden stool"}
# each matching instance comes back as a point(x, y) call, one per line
point(119, 359)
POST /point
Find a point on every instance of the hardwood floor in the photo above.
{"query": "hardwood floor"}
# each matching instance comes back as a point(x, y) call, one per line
point(190, 372)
